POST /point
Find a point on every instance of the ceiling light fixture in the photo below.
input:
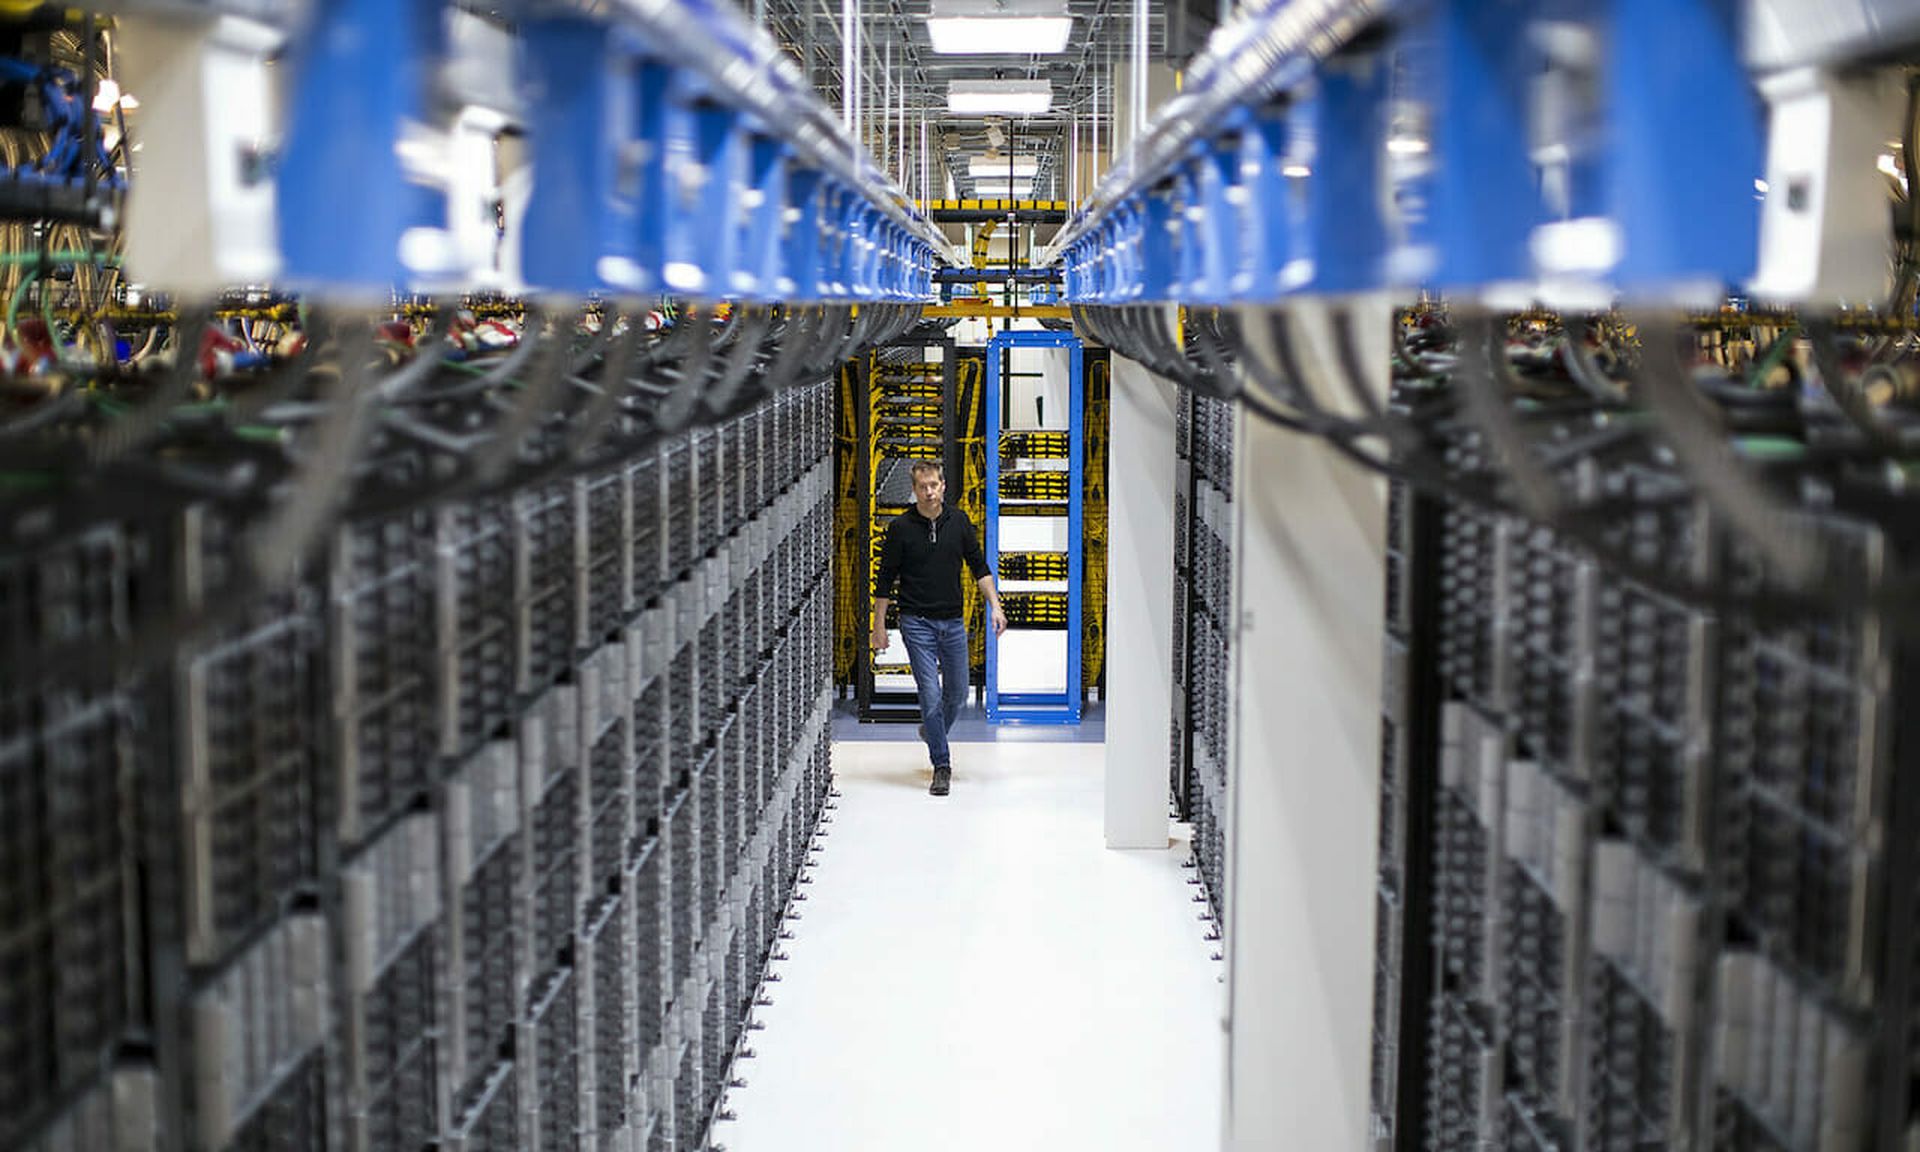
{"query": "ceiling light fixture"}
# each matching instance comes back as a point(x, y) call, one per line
point(1003, 189)
point(1000, 35)
point(999, 97)
point(1002, 167)
point(999, 27)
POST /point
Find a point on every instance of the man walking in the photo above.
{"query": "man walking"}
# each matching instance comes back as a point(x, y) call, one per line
point(922, 552)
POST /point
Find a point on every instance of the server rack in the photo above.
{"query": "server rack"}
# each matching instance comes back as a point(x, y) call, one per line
point(1204, 444)
point(901, 403)
point(1410, 740)
point(970, 442)
point(1097, 419)
point(1036, 493)
point(1651, 879)
point(479, 836)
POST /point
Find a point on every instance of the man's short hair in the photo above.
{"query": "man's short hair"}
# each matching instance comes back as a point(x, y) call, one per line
point(922, 467)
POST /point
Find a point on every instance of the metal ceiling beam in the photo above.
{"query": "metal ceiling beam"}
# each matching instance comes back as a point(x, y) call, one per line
point(899, 26)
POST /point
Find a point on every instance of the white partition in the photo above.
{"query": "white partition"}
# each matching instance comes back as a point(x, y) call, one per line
point(1140, 487)
point(1310, 585)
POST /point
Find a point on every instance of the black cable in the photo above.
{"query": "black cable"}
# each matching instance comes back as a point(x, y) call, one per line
point(131, 429)
point(1486, 402)
point(1218, 379)
point(1699, 445)
point(794, 336)
point(1291, 381)
point(279, 545)
point(681, 405)
point(725, 390)
point(427, 358)
point(1351, 368)
point(1581, 367)
point(1579, 527)
point(49, 411)
point(502, 373)
point(597, 417)
point(1845, 390)
point(340, 441)
point(538, 396)
point(1583, 524)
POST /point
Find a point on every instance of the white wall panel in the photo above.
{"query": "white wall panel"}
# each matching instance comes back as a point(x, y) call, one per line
point(1303, 814)
point(1140, 485)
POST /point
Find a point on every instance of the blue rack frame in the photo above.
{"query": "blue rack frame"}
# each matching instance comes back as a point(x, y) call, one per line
point(1038, 707)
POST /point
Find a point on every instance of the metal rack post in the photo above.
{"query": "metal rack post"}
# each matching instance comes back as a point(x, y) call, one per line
point(1037, 607)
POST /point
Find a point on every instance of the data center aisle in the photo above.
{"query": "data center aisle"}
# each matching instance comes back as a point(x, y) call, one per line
point(979, 972)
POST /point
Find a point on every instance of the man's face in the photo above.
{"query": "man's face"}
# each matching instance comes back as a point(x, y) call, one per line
point(929, 487)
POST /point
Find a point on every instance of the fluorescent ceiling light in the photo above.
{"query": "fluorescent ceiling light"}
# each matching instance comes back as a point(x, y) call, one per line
point(1003, 189)
point(1003, 167)
point(999, 35)
point(991, 97)
point(999, 27)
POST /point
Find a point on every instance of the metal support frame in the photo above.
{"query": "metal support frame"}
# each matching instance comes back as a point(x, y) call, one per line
point(1038, 707)
point(1892, 1121)
point(1421, 736)
point(863, 483)
point(875, 707)
point(1181, 783)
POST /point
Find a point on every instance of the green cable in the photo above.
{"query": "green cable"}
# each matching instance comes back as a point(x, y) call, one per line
point(40, 260)
point(106, 259)
point(33, 481)
point(1770, 447)
point(257, 432)
point(1775, 353)
point(53, 334)
point(13, 304)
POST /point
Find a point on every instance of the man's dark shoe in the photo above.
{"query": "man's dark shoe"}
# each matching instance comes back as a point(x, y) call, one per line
point(942, 781)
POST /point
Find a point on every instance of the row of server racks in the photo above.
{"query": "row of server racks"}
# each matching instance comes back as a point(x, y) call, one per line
point(1647, 867)
point(479, 837)
point(1205, 432)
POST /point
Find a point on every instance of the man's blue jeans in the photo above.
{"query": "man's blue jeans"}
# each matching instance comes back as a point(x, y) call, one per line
point(937, 649)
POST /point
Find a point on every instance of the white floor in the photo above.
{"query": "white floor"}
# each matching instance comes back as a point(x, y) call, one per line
point(979, 972)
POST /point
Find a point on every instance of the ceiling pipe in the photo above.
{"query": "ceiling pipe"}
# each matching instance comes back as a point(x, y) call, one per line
point(1137, 81)
point(846, 66)
point(1073, 161)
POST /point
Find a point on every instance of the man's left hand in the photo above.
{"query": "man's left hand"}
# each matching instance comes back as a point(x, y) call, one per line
point(999, 621)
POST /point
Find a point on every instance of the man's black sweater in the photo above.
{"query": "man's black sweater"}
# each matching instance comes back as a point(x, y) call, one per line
point(924, 557)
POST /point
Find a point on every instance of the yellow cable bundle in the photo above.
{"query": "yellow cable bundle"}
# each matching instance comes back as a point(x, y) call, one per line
point(981, 238)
